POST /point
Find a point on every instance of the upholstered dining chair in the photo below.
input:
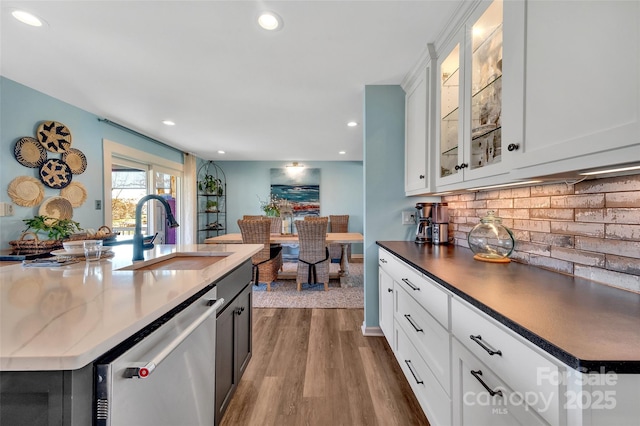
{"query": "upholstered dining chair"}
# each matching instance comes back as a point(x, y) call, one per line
point(339, 223)
point(268, 261)
point(313, 260)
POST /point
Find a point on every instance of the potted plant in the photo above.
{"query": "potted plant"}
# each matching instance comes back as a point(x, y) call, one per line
point(210, 185)
point(55, 229)
point(212, 206)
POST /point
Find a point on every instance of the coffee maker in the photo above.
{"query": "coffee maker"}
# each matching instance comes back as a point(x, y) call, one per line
point(423, 230)
point(440, 223)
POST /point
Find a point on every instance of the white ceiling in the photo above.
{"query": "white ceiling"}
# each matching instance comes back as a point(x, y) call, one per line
point(228, 84)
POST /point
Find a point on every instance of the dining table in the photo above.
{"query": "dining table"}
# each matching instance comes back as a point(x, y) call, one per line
point(342, 238)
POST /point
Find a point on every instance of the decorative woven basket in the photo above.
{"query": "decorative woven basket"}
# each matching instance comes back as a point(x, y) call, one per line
point(29, 152)
point(34, 244)
point(56, 208)
point(54, 136)
point(26, 191)
point(55, 173)
point(76, 160)
point(75, 192)
point(106, 234)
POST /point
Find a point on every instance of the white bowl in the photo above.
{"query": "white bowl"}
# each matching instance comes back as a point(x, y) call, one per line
point(73, 245)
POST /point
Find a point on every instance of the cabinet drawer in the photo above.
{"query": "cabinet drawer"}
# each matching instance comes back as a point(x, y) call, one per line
point(518, 363)
point(428, 336)
point(425, 292)
point(433, 399)
point(390, 263)
point(481, 398)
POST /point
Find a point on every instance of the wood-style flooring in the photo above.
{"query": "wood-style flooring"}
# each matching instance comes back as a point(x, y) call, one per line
point(314, 367)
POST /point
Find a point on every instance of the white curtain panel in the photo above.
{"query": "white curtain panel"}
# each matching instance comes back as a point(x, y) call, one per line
point(189, 213)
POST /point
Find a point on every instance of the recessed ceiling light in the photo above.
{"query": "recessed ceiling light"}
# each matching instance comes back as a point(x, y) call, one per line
point(342, 152)
point(221, 152)
point(168, 123)
point(27, 18)
point(270, 21)
point(352, 124)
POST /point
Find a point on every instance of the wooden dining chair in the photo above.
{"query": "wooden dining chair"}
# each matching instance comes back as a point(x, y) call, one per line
point(268, 261)
point(339, 223)
point(313, 260)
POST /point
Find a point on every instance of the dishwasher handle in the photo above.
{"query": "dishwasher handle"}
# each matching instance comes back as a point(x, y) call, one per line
point(148, 367)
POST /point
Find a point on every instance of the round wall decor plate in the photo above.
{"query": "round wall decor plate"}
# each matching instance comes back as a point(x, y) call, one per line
point(54, 136)
point(76, 160)
point(29, 152)
point(57, 208)
point(75, 192)
point(55, 173)
point(26, 191)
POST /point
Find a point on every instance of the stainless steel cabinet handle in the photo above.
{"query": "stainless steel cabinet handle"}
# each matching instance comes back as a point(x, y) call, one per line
point(477, 375)
point(413, 287)
point(415, 377)
point(148, 367)
point(478, 340)
point(383, 261)
point(418, 329)
point(389, 290)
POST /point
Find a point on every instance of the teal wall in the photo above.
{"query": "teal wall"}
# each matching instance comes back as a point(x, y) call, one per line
point(21, 110)
point(384, 198)
point(340, 189)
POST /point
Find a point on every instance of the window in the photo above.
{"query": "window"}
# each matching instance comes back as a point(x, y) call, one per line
point(131, 174)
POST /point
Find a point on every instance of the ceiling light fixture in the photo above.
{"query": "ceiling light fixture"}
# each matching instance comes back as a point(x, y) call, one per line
point(342, 152)
point(27, 18)
point(294, 165)
point(221, 152)
point(602, 172)
point(168, 123)
point(352, 124)
point(270, 21)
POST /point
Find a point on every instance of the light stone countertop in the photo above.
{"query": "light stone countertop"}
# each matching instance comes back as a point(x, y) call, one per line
point(63, 318)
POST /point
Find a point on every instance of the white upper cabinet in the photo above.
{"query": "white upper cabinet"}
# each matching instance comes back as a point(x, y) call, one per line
point(582, 88)
point(418, 128)
point(474, 139)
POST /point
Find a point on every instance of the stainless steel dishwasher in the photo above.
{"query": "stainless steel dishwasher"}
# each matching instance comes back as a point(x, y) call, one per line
point(164, 375)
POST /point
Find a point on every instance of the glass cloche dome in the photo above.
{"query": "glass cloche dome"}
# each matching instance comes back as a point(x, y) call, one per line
point(490, 240)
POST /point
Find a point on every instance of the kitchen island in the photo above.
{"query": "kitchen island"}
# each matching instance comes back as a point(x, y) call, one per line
point(59, 320)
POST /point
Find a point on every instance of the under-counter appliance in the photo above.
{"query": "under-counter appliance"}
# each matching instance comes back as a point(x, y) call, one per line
point(423, 230)
point(440, 223)
point(165, 374)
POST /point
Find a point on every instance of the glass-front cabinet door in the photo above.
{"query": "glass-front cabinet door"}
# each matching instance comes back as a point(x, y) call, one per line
point(470, 99)
point(486, 88)
point(450, 126)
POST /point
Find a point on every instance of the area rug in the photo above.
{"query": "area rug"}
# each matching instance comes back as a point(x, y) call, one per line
point(284, 293)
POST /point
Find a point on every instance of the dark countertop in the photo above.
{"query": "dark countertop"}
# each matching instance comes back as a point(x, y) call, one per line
point(584, 324)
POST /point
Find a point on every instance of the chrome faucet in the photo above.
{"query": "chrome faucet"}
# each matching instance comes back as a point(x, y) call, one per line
point(138, 243)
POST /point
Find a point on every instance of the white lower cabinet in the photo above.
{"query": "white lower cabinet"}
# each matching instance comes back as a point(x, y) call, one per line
point(480, 397)
point(511, 360)
point(466, 368)
point(433, 399)
point(386, 303)
point(427, 335)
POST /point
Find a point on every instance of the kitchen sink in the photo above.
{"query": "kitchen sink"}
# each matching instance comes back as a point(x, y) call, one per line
point(185, 261)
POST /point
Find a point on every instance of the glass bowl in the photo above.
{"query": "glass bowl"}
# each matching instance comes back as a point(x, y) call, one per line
point(490, 240)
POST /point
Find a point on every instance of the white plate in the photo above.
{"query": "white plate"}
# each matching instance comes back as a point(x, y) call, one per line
point(64, 252)
point(79, 252)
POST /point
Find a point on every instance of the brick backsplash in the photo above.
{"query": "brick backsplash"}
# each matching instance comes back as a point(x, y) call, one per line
point(590, 229)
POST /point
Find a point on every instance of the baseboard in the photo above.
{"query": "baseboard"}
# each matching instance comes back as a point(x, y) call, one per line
point(371, 331)
point(357, 258)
